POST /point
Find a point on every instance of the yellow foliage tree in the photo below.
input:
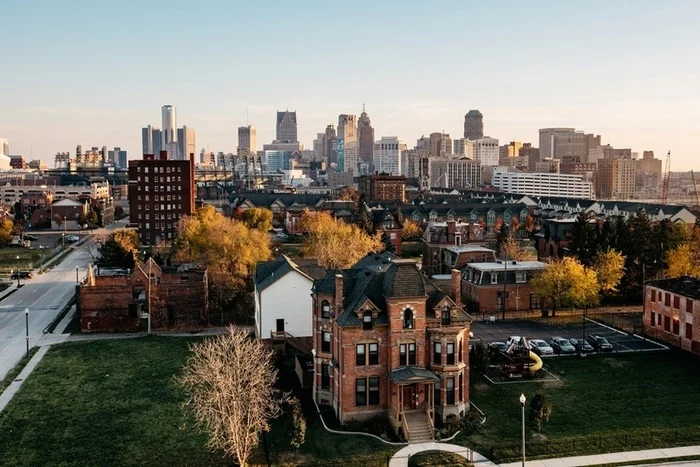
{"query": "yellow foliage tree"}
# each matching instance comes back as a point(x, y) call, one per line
point(609, 267)
point(411, 230)
point(566, 282)
point(6, 232)
point(336, 244)
point(257, 218)
point(683, 261)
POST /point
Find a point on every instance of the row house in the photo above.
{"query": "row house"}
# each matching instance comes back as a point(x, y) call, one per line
point(490, 216)
point(484, 286)
point(388, 342)
point(672, 311)
point(438, 236)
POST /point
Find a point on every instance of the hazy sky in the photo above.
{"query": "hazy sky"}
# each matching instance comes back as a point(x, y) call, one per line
point(94, 72)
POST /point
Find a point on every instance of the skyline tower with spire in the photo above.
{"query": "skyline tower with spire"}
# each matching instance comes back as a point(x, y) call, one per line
point(365, 134)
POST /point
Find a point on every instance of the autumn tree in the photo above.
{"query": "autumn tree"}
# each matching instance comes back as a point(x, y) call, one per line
point(348, 193)
point(565, 282)
point(412, 231)
point(512, 249)
point(6, 227)
point(683, 261)
point(229, 381)
point(530, 223)
point(540, 410)
point(257, 218)
point(336, 244)
point(609, 268)
point(120, 249)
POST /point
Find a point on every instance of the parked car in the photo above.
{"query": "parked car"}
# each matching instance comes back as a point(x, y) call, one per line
point(541, 347)
point(599, 343)
point(561, 345)
point(22, 275)
point(582, 346)
point(282, 236)
point(498, 346)
point(33, 238)
point(72, 238)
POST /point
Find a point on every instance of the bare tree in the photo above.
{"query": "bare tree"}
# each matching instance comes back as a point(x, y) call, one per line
point(230, 380)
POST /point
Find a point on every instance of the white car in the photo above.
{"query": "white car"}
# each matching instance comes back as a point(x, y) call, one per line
point(72, 238)
point(541, 347)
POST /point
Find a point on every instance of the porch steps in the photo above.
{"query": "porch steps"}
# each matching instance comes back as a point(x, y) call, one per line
point(418, 427)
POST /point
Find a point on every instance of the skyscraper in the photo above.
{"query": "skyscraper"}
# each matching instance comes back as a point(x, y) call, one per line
point(4, 146)
point(440, 144)
point(186, 142)
point(329, 145)
point(547, 136)
point(247, 139)
point(151, 139)
point(365, 136)
point(473, 125)
point(169, 139)
point(287, 127)
point(486, 151)
point(347, 143)
point(118, 158)
point(387, 155)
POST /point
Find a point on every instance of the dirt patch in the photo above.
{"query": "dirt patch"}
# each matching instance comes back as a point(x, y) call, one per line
point(615, 363)
point(481, 387)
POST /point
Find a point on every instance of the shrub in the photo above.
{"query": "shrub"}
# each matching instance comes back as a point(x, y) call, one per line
point(296, 414)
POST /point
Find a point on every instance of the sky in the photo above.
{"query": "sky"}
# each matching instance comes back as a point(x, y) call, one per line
point(95, 72)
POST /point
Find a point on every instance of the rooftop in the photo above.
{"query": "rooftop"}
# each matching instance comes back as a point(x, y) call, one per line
point(686, 286)
point(511, 266)
point(468, 248)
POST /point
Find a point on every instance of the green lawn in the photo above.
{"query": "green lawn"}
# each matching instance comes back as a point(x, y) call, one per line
point(28, 259)
point(113, 402)
point(602, 404)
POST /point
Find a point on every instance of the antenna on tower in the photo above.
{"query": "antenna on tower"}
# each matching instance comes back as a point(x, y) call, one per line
point(363, 107)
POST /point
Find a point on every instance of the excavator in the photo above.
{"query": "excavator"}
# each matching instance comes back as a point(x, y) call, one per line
point(518, 361)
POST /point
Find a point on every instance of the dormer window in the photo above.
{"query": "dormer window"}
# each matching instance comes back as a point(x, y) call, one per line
point(494, 278)
point(408, 319)
point(520, 277)
point(325, 309)
point(367, 320)
point(445, 316)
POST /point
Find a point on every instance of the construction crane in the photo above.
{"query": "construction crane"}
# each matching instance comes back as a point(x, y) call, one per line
point(695, 189)
point(667, 179)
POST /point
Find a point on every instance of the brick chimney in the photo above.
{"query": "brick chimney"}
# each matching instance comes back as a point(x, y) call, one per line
point(456, 286)
point(451, 228)
point(164, 155)
point(338, 298)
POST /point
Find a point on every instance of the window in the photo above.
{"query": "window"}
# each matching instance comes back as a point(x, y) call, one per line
point(688, 331)
point(437, 353)
point(403, 358)
point(450, 391)
point(676, 327)
point(438, 393)
point(325, 309)
point(534, 302)
point(450, 353)
point(408, 319)
point(494, 278)
point(325, 341)
point(374, 390)
point(676, 302)
point(361, 391)
point(325, 376)
point(667, 299)
point(688, 305)
point(459, 354)
point(446, 317)
point(658, 319)
point(411, 354)
point(520, 277)
point(360, 357)
point(652, 319)
point(653, 295)
point(367, 321)
point(667, 324)
point(461, 385)
point(373, 354)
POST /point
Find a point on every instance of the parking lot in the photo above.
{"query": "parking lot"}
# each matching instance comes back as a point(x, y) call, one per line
point(621, 341)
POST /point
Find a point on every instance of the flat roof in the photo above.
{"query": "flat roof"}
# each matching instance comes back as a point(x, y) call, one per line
point(468, 248)
point(511, 266)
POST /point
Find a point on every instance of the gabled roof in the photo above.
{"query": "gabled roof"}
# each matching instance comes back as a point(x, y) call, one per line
point(403, 279)
point(412, 373)
point(269, 272)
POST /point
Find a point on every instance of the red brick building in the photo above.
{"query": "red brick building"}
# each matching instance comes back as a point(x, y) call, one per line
point(388, 342)
point(438, 236)
point(161, 191)
point(382, 187)
point(672, 311)
point(118, 300)
point(483, 286)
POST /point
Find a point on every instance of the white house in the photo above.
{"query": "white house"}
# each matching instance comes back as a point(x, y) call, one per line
point(283, 303)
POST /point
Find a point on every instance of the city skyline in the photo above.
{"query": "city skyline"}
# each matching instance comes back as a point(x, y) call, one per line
point(641, 95)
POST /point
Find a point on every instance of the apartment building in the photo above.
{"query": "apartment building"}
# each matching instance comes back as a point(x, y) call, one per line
point(615, 179)
point(455, 173)
point(673, 311)
point(542, 184)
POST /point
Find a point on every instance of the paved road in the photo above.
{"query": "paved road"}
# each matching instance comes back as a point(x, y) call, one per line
point(44, 295)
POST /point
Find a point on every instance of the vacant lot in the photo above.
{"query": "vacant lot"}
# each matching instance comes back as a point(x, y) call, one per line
point(602, 404)
point(113, 402)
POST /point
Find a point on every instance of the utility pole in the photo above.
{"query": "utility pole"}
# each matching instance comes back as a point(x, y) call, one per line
point(505, 277)
point(26, 327)
point(149, 295)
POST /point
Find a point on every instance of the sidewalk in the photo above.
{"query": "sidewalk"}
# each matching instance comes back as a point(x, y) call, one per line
point(613, 458)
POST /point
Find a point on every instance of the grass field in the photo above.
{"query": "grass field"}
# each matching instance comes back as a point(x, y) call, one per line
point(28, 259)
point(113, 402)
point(602, 404)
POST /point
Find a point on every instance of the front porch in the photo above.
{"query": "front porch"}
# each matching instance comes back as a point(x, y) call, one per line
point(412, 403)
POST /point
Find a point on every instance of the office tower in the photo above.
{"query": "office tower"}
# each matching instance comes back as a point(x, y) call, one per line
point(541, 184)
point(319, 147)
point(4, 146)
point(387, 155)
point(346, 145)
point(547, 136)
point(286, 127)
point(463, 147)
point(648, 171)
point(365, 135)
point(155, 216)
point(151, 140)
point(118, 157)
point(440, 144)
point(276, 161)
point(186, 145)
point(615, 178)
point(169, 135)
point(486, 151)
point(455, 173)
point(574, 147)
point(247, 139)
point(473, 125)
point(329, 145)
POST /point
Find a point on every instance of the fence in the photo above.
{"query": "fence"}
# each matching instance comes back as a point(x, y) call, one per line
point(593, 313)
point(594, 444)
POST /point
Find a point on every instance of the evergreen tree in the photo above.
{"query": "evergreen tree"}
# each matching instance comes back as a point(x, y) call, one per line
point(583, 240)
point(365, 220)
point(386, 241)
point(605, 237)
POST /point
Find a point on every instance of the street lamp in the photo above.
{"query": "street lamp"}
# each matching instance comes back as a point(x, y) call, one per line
point(18, 271)
point(77, 281)
point(26, 327)
point(522, 403)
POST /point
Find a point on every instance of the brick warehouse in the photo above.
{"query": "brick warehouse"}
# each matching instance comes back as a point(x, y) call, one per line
point(161, 191)
point(388, 342)
point(672, 311)
point(114, 300)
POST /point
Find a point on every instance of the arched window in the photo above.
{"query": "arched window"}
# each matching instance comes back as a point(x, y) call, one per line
point(408, 319)
point(445, 316)
point(325, 309)
point(367, 320)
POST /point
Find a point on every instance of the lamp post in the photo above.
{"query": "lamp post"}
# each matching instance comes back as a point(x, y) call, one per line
point(26, 327)
point(77, 281)
point(522, 403)
point(18, 271)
